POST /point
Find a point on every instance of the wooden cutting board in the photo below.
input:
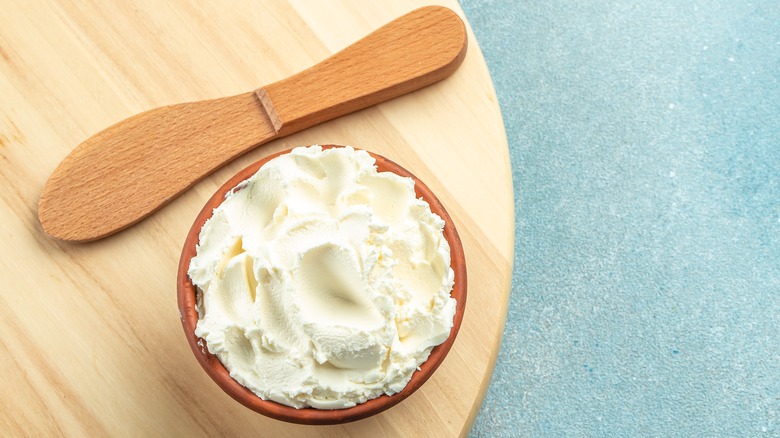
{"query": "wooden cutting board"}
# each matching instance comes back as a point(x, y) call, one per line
point(91, 341)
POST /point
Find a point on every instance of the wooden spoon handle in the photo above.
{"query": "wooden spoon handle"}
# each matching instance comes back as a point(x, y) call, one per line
point(411, 52)
point(127, 171)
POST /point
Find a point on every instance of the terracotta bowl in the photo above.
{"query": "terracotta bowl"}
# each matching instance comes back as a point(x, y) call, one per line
point(215, 369)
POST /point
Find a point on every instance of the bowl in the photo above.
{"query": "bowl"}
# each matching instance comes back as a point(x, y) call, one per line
point(220, 375)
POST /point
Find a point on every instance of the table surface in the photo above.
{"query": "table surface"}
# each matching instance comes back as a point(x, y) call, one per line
point(645, 146)
point(92, 344)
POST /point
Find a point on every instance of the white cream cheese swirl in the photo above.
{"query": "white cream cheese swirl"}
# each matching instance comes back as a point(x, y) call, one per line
point(322, 282)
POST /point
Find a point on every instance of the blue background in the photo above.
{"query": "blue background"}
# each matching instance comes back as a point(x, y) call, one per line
point(645, 147)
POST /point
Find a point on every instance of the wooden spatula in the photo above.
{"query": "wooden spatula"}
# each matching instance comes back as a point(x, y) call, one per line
point(126, 172)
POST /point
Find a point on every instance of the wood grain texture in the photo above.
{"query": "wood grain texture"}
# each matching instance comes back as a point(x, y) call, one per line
point(127, 171)
point(92, 341)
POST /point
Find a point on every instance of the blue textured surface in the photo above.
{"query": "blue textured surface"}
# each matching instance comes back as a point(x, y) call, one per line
point(645, 146)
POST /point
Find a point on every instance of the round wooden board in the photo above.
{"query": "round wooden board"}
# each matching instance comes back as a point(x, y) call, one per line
point(92, 343)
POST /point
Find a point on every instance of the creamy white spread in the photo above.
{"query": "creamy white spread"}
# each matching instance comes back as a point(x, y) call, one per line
point(323, 282)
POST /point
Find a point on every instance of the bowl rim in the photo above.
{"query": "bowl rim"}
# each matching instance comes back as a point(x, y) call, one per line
point(186, 297)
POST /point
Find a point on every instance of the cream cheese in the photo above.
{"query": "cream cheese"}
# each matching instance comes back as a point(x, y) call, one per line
point(323, 282)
